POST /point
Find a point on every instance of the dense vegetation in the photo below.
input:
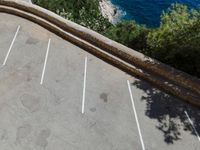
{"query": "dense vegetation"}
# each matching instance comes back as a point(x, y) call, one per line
point(84, 12)
point(130, 34)
point(175, 42)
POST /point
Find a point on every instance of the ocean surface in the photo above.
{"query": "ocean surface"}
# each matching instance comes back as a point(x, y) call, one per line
point(148, 11)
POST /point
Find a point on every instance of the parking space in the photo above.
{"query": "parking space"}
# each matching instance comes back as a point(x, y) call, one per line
point(52, 98)
point(162, 119)
point(7, 33)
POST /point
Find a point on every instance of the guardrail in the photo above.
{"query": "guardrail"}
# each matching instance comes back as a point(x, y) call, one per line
point(166, 78)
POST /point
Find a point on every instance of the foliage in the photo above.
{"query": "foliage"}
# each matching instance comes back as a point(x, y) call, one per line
point(129, 33)
point(84, 12)
point(176, 41)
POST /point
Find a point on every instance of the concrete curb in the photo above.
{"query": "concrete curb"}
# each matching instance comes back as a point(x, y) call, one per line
point(166, 78)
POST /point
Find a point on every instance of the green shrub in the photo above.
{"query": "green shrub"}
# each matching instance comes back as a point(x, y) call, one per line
point(129, 33)
point(177, 40)
point(84, 12)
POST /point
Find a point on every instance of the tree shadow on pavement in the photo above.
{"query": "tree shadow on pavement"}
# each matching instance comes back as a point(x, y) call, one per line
point(169, 112)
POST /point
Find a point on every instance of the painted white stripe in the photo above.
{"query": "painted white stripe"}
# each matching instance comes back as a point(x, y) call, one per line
point(197, 134)
point(11, 45)
point(45, 62)
point(135, 113)
point(84, 85)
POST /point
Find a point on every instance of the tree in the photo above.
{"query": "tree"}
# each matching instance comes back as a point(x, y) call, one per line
point(176, 41)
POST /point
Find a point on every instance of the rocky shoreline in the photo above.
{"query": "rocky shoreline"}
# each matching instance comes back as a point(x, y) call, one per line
point(109, 11)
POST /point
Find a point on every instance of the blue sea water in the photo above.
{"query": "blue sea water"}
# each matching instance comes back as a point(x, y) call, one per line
point(148, 11)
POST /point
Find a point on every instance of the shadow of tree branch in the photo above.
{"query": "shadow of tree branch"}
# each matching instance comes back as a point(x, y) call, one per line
point(169, 112)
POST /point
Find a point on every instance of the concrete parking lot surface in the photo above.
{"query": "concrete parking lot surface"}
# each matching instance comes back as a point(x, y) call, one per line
point(55, 95)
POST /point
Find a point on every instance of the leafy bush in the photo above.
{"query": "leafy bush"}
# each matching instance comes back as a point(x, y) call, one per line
point(84, 12)
point(129, 33)
point(177, 40)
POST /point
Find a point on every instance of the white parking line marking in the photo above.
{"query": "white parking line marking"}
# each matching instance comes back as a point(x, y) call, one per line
point(45, 62)
point(197, 134)
point(84, 85)
point(135, 113)
point(5, 60)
